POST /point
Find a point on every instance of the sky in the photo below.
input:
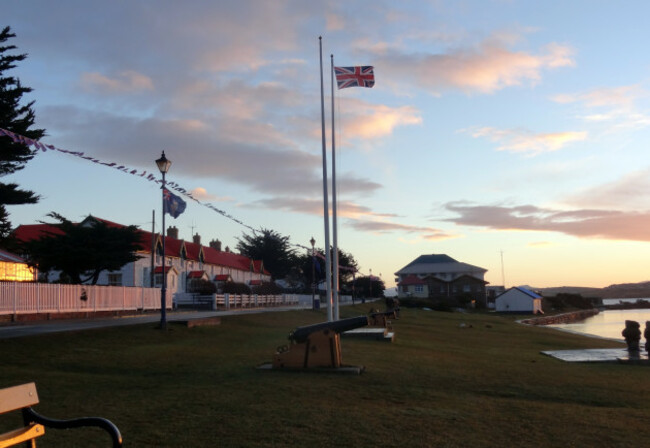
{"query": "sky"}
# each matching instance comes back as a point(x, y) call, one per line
point(510, 135)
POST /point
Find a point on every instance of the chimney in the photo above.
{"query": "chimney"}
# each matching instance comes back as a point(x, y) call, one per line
point(197, 239)
point(216, 245)
point(227, 249)
point(172, 232)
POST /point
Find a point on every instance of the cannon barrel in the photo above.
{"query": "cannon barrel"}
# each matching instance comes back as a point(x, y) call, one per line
point(301, 334)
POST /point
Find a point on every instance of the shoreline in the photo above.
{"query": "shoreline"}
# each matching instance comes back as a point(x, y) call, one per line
point(563, 318)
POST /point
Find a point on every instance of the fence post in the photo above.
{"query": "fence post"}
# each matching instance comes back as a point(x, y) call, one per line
point(226, 300)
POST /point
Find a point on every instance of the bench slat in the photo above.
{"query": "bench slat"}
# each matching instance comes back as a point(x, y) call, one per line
point(18, 397)
point(21, 435)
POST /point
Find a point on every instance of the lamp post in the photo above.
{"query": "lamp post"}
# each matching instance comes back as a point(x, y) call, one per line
point(313, 274)
point(163, 165)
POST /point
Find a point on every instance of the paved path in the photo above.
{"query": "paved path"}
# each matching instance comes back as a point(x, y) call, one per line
point(55, 326)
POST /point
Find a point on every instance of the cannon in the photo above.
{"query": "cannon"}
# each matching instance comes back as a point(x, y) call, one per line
point(381, 318)
point(317, 345)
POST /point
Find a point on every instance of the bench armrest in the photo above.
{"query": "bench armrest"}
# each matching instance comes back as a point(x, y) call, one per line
point(32, 416)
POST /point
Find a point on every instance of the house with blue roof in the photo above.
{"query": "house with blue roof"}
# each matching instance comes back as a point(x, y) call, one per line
point(519, 300)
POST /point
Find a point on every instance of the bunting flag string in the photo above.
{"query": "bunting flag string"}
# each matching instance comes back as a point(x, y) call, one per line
point(17, 138)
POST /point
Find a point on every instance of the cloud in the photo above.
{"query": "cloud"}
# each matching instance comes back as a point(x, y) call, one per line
point(427, 233)
point(616, 106)
point(314, 206)
point(525, 141)
point(631, 192)
point(202, 194)
point(355, 216)
point(485, 68)
point(581, 223)
point(372, 121)
point(127, 81)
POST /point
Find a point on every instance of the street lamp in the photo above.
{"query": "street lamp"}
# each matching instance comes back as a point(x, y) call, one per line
point(163, 165)
point(313, 274)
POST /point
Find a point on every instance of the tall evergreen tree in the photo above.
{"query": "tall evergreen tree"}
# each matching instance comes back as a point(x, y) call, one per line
point(18, 119)
point(270, 247)
point(81, 252)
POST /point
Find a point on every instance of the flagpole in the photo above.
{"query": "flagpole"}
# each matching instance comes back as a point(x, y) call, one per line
point(335, 268)
point(326, 213)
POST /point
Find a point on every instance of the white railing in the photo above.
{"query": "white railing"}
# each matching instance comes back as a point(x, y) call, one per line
point(231, 301)
point(29, 298)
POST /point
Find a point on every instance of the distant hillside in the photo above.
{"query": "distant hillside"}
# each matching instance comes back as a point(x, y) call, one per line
point(619, 291)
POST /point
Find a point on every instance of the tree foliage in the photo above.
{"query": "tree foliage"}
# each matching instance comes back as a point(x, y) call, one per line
point(18, 118)
point(347, 266)
point(82, 252)
point(272, 248)
point(368, 287)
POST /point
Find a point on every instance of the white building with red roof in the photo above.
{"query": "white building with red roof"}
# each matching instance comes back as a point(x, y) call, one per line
point(184, 261)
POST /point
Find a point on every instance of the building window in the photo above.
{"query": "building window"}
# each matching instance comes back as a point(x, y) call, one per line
point(19, 272)
point(419, 288)
point(467, 288)
point(114, 279)
point(442, 289)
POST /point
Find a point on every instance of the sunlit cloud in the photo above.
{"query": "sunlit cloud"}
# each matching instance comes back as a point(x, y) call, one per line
point(616, 106)
point(485, 68)
point(202, 194)
point(371, 121)
point(581, 223)
point(525, 141)
point(125, 82)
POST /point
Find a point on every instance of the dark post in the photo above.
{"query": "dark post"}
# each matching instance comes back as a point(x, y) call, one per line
point(313, 274)
point(163, 166)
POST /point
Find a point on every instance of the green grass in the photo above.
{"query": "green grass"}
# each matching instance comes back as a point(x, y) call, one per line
point(437, 385)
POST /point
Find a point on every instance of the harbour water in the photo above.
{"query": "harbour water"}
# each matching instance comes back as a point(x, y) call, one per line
point(608, 324)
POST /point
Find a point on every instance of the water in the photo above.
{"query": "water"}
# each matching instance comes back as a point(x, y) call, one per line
point(608, 302)
point(608, 324)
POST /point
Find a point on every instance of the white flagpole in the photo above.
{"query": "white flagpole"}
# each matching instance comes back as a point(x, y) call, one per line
point(326, 212)
point(335, 268)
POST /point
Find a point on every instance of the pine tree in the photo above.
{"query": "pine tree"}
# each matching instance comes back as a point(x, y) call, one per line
point(18, 119)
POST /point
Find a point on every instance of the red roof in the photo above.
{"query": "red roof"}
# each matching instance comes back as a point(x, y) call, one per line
point(173, 247)
point(412, 280)
point(31, 232)
point(158, 269)
point(193, 251)
point(255, 282)
point(222, 278)
point(195, 274)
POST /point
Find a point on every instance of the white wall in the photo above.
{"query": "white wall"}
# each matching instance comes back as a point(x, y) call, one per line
point(516, 301)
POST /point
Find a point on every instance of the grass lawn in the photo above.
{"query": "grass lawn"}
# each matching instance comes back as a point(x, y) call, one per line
point(440, 384)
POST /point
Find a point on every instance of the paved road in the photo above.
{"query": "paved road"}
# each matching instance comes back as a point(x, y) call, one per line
point(55, 326)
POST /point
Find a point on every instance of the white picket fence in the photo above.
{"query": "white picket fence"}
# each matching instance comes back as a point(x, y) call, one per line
point(29, 298)
point(33, 298)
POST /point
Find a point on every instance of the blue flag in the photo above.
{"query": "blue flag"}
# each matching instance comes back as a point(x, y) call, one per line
point(173, 204)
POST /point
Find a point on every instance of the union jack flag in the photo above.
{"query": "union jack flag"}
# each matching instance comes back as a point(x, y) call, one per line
point(362, 76)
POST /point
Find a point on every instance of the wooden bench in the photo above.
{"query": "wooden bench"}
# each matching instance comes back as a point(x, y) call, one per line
point(22, 398)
